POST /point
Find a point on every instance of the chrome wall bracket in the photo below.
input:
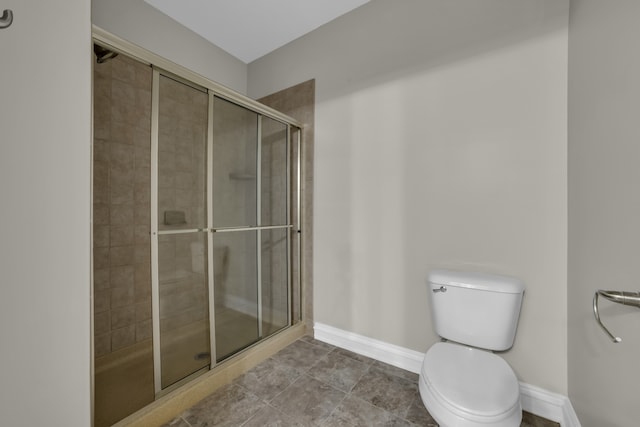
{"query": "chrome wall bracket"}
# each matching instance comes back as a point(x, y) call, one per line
point(6, 19)
point(620, 297)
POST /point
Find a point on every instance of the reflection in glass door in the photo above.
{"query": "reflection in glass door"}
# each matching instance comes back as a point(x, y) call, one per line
point(182, 341)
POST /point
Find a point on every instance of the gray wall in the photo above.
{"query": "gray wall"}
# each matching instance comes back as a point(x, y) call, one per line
point(144, 25)
point(440, 142)
point(604, 208)
point(45, 183)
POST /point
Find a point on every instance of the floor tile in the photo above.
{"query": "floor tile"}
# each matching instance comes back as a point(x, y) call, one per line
point(309, 339)
point(308, 400)
point(229, 406)
point(389, 392)
point(271, 417)
point(418, 414)
point(530, 420)
point(360, 358)
point(311, 384)
point(338, 371)
point(392, 370)
point(268, 379)
point(300, 356)
point(177, 422)
point(356, 412)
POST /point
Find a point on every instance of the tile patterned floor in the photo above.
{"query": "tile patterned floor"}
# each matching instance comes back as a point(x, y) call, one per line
point(311, 383)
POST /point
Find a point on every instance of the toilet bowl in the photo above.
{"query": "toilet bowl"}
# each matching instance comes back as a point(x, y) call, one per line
point(462, 382)
point(469, 387)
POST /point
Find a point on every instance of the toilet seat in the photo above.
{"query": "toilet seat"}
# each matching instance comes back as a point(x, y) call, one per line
point(464, 386)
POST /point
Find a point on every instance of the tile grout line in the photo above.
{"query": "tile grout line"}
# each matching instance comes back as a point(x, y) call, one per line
point(188, 423)
point(333, 410)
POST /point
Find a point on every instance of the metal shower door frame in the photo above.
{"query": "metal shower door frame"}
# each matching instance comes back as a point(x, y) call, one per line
point(292, 226)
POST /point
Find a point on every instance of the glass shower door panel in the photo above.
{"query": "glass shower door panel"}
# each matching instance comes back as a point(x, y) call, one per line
point(182, 135)
point(235, 154)
point(182, 241)
point(184, 312)
point(273, 172)
point(275, 280)
point(235, 291)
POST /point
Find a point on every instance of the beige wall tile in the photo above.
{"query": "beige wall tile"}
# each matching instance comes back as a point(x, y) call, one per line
point(121, 297)
point(124, 71)
point(122, 255)
point(123, 337)
point(102, 322)
point(122, 235)
point(142, 214)
point(123, 133)
point(121, 194)
point(121, 317)
point(142, 254)
point(144, 330)
point(102, 344)
point(101, 214)
point(101, 278)
point(100, 236)
point(121, 214)
point(101, 300)
point(100, 258)
point(142, 235)
point(122, 277)
point(143, 310)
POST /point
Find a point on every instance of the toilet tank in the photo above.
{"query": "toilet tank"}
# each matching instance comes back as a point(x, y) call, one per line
point(476, 309)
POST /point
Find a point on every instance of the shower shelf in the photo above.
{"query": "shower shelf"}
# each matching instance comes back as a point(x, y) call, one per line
point(239, 176)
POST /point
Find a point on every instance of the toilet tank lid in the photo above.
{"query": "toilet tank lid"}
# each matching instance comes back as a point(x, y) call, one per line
point(474, 280)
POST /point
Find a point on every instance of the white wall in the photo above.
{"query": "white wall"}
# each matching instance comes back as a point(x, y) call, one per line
point(45, 182)
point(144, 25)
point(440, 142)
point(604, 208)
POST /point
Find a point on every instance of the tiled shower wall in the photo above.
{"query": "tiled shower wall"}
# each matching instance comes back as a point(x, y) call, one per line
point(121, 197)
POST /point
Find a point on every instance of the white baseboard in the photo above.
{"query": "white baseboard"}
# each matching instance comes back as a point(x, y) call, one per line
point(400, 357)
point(552, 406)
point(538, 401)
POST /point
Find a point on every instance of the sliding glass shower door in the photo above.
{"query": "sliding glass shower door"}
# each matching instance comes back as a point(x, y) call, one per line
point(183, 343)
point(196, 194)
point(221, 228)
point(250, 224)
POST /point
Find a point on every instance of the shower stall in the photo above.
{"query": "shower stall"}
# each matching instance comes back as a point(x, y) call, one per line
point(196, 229)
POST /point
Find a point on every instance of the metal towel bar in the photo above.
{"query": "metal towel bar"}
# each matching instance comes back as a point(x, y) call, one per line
point(6, 19)
point(620, 297)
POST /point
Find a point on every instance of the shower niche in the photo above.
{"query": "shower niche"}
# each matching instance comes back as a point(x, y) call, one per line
point(196, 250)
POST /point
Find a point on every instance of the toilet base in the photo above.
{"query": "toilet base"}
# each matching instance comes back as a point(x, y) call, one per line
point(446, 418)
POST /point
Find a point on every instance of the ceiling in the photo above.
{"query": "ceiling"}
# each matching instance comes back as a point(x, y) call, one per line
point(249, 29)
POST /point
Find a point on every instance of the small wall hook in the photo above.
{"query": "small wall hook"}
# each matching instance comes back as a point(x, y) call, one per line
point(6, 19)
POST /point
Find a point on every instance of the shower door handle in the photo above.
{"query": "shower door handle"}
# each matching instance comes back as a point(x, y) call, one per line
point(6, 19)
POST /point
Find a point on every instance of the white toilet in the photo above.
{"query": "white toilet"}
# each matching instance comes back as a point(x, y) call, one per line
point(462, 383)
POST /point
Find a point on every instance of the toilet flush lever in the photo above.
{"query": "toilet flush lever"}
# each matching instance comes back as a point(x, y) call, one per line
point(620, 297)
point(440, 289)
